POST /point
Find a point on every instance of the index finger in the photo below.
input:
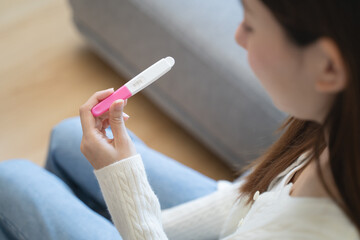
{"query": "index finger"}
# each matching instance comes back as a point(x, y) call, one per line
point(86, 117)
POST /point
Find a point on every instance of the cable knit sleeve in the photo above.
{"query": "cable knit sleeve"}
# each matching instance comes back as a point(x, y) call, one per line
point(133, 206)
point(136, 212)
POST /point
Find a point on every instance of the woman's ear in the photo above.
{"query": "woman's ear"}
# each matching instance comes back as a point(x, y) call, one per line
point(332, 77)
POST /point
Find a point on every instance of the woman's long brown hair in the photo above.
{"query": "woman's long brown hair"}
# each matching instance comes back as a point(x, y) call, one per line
point(304, 22)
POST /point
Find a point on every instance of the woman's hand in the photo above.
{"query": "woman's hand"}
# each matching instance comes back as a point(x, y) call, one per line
point(99, 150)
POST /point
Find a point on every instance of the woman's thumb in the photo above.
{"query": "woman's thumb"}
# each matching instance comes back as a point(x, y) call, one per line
point(116, 119)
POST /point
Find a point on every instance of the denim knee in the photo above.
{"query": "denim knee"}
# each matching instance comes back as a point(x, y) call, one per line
point(14, 174)
point(12, 168)
point(67, 128)
point(65, 135)
point(19, 178)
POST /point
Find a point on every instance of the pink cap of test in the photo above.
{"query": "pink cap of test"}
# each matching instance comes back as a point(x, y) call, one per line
point(104, 105)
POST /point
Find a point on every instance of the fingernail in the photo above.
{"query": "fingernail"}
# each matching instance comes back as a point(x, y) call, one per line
point(126, 115)
point(110, 89)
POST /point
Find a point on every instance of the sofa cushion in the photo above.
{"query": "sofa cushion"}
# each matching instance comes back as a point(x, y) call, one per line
point(211, 90)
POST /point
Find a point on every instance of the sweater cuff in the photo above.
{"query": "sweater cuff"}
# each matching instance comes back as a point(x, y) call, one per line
point(125, 163)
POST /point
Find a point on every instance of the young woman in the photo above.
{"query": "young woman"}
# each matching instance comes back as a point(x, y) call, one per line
point(305, 186)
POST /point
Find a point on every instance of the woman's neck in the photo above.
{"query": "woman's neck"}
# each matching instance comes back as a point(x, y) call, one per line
point(307, 182)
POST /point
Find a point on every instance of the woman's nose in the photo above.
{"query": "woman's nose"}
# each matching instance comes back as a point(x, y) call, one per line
point(240, 36)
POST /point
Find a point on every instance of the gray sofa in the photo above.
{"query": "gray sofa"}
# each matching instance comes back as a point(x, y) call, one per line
point(211, 91)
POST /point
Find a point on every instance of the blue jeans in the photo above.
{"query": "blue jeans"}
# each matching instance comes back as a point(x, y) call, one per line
point(64, 201)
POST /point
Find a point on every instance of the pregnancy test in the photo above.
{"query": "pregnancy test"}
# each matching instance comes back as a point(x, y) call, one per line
point(135, 85)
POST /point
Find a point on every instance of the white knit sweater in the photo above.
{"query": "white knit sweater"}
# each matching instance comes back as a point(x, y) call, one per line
point(136, 212)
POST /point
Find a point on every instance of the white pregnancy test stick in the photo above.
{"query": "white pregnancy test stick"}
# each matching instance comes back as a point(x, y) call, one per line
point(135, 85)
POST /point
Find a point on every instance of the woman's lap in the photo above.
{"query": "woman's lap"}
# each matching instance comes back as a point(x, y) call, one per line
point(36, 204)
point(54, 204)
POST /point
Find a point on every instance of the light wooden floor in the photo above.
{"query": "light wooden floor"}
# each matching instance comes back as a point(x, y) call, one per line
point(47, 72)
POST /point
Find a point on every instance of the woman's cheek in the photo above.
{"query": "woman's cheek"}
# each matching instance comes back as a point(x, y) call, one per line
point(258, 62)
point(264, 67)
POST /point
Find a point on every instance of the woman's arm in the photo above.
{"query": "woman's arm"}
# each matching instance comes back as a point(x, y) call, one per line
point(124, 180)
point(133, 205)
point(136, 212)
